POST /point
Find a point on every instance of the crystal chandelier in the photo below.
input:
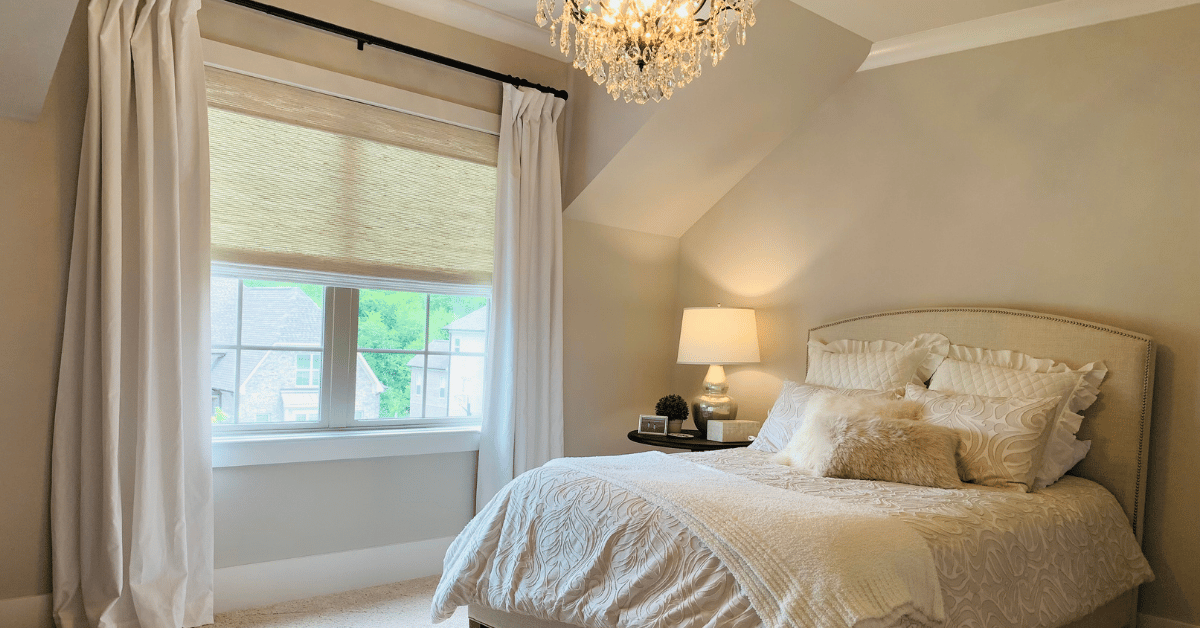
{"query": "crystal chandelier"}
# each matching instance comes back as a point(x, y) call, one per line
point(645, 49)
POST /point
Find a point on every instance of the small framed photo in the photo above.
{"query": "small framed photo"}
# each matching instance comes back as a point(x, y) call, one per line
point(651, 424)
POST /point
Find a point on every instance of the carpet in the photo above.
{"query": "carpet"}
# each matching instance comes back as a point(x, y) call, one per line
point(399, 605)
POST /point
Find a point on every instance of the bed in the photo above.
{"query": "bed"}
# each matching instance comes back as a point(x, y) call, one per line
point(1108, 487)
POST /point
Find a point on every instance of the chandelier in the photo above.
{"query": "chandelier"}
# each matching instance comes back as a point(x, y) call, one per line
point(645, 49)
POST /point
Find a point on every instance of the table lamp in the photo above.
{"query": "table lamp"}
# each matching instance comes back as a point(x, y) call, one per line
point(717, 336)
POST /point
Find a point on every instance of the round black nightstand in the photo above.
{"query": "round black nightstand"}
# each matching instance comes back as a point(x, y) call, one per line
point(692, 444)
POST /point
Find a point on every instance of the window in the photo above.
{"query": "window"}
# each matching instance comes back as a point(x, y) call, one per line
point(308, 369)
point(264, 333)
point(352, 249)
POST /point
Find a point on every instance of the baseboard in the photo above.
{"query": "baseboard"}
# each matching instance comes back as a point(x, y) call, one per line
point(263, 584)
point(33, 611)
point(1151, 621)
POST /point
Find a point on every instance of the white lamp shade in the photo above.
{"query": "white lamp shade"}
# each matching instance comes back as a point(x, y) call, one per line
point(718, 335)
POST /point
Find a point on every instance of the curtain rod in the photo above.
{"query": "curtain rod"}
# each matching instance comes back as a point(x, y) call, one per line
point(367, 39)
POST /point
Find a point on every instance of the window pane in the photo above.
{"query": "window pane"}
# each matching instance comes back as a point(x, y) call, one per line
point(383, 385)
point(388, 319)
point(223, 296)
point(281, 313)
point(465, 389)
point(434, 398)
point(458, 323)
point(224, 362)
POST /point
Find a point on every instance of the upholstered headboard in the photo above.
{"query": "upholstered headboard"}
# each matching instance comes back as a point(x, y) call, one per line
point(1118, 424)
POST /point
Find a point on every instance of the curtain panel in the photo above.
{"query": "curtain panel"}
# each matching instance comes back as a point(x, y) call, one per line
point(131, 502)
point(523, 417)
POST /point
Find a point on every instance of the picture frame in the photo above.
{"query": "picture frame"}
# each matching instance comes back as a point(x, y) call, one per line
point(652, 424)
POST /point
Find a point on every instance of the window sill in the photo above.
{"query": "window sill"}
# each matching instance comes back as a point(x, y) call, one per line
point(259, 449)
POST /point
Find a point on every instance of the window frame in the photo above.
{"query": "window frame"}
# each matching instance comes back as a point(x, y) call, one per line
point(339, 351)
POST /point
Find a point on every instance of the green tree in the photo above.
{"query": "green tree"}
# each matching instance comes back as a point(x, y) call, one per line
point(396, 320)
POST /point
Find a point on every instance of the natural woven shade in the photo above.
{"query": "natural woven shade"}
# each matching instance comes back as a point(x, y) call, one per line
point(309, 181)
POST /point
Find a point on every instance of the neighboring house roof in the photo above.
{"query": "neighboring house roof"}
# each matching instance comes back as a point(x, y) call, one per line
point(475, 321)
point(270, 316)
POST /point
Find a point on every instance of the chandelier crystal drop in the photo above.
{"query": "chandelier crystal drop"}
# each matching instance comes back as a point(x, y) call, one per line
point(645, 49)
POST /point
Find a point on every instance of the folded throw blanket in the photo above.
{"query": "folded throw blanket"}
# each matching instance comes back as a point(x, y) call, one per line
point(802, 560)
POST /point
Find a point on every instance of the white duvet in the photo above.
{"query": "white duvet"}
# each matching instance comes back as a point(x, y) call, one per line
point(562, 544)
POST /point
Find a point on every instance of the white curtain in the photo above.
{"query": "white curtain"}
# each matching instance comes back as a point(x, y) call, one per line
point(131, 501)
point(523, 418)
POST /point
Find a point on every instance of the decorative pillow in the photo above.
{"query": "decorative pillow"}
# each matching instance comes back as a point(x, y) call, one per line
point(875, 365)
point(872, 439)
point(787, 414)
point(996, 373)
point(1002, 437)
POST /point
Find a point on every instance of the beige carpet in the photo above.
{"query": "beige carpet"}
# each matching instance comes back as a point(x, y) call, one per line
point(399, 605)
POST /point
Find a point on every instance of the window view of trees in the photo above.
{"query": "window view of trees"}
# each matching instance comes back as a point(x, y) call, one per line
point(396, 321)
point(280, 355)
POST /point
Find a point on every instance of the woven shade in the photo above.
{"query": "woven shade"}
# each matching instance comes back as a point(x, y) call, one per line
point(309, 181)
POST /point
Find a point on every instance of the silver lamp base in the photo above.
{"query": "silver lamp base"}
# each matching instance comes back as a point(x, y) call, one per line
point(715, 404)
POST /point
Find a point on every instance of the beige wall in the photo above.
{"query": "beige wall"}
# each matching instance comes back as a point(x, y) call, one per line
point(1059, 174)
point(620, 327)
point(39, 162)
point(658, 170)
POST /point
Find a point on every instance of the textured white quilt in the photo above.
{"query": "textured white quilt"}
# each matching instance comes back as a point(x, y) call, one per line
point(563, 544)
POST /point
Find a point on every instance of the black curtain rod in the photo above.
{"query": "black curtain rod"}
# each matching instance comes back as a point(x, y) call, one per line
point(366, 39)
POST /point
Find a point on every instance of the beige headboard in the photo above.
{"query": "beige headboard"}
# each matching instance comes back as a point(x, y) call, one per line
point(1118, 424)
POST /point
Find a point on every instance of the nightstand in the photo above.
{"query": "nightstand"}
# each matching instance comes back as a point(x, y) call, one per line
point(691, 444)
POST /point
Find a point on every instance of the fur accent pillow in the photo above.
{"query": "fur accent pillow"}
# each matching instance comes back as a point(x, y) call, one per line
point(872, 439)
point(787, 415)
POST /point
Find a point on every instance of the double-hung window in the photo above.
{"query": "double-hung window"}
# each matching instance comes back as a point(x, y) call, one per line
point(352, 249)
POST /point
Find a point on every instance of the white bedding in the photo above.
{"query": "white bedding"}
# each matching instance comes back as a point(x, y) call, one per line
point(561, 545)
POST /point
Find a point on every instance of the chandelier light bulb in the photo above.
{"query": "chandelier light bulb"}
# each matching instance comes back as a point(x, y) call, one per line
point(643, 50)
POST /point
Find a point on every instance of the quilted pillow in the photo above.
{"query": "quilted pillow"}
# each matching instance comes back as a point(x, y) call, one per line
point(787, 414)
point(875, 365)
point(872, 439)
point(1002, 437)
point(992, 373)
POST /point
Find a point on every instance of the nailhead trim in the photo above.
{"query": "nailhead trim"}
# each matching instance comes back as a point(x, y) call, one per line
point(1142, 453)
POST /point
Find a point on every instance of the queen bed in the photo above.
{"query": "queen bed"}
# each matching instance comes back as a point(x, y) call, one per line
point(696, 540)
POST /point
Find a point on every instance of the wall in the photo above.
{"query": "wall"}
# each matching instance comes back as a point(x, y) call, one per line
point(620, 328)
point(726, 122)
point(1059, 174)
point(39, 163)
point(275, 512)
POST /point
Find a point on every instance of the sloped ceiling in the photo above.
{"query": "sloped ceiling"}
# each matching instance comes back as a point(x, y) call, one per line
point(32, 34)
point(878, 20)
point(657, 168)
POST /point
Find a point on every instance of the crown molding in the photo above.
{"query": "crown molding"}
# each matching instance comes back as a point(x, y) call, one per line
point(996, 29)
point(482, 21)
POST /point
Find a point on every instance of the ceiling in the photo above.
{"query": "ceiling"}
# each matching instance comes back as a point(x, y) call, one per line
point(875, 20)
point(879, 20)
point(31, 38)
point(523, 10)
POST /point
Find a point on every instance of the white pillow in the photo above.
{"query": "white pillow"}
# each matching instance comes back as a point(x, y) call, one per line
point(877, 364)
point(787, 415)
point(1002, 438)
point(1000, 373)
